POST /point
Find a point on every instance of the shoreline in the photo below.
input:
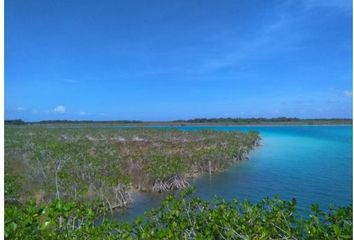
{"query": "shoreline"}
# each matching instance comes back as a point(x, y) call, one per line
point(189, 178)
point(80, 125)
point(192, 122)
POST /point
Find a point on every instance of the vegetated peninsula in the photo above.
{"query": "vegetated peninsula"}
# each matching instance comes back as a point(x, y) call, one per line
point(105, 164)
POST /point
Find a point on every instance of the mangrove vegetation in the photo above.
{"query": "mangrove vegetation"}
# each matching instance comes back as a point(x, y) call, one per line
point(179, 217)
point(106, 164)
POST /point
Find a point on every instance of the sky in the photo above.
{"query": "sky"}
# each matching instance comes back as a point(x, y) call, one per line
point(167, 60)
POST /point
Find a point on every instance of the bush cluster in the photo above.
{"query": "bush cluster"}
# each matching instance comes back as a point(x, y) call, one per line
point(179, 217)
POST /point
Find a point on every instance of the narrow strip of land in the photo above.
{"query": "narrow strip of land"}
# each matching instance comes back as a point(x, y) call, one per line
point(197, 121)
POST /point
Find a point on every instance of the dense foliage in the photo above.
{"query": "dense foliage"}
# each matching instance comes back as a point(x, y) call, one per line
point(105, 164)
point(181, 217)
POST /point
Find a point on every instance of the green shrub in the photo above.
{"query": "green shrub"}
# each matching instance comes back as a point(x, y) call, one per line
point(181, 217)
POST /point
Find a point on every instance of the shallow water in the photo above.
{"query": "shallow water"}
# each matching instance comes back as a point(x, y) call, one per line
point(310, 163)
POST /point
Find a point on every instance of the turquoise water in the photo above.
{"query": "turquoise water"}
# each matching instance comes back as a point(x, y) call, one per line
point(310, 163)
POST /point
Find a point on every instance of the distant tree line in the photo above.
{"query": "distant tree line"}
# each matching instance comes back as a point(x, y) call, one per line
point(264, 120)
point(21, 122)
point(88, 121)
point(237, 120)
point(15, 122)
point(195, 120)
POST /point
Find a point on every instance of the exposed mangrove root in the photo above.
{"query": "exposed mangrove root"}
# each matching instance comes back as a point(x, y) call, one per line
point(115, 196)
point(175, 182)
point(121, 196)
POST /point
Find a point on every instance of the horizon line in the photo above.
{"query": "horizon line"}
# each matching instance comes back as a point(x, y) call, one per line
point(180, 120)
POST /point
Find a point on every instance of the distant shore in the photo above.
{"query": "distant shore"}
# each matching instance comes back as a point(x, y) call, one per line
point(194, 122)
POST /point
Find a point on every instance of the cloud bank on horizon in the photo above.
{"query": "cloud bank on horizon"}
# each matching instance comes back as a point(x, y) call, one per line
point(159, 60)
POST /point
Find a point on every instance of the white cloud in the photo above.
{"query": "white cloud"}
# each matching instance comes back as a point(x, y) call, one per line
point(348, 93)
point(59, 109)
point(20, 109)
point(82, 113)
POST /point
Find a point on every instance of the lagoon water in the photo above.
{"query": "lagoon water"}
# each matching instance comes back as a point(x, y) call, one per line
point(310, 163)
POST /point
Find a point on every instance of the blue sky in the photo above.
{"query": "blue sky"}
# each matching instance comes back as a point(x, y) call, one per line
point(165, 60)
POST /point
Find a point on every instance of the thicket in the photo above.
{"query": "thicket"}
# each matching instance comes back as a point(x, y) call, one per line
point(179, 217)
point(105, 164)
